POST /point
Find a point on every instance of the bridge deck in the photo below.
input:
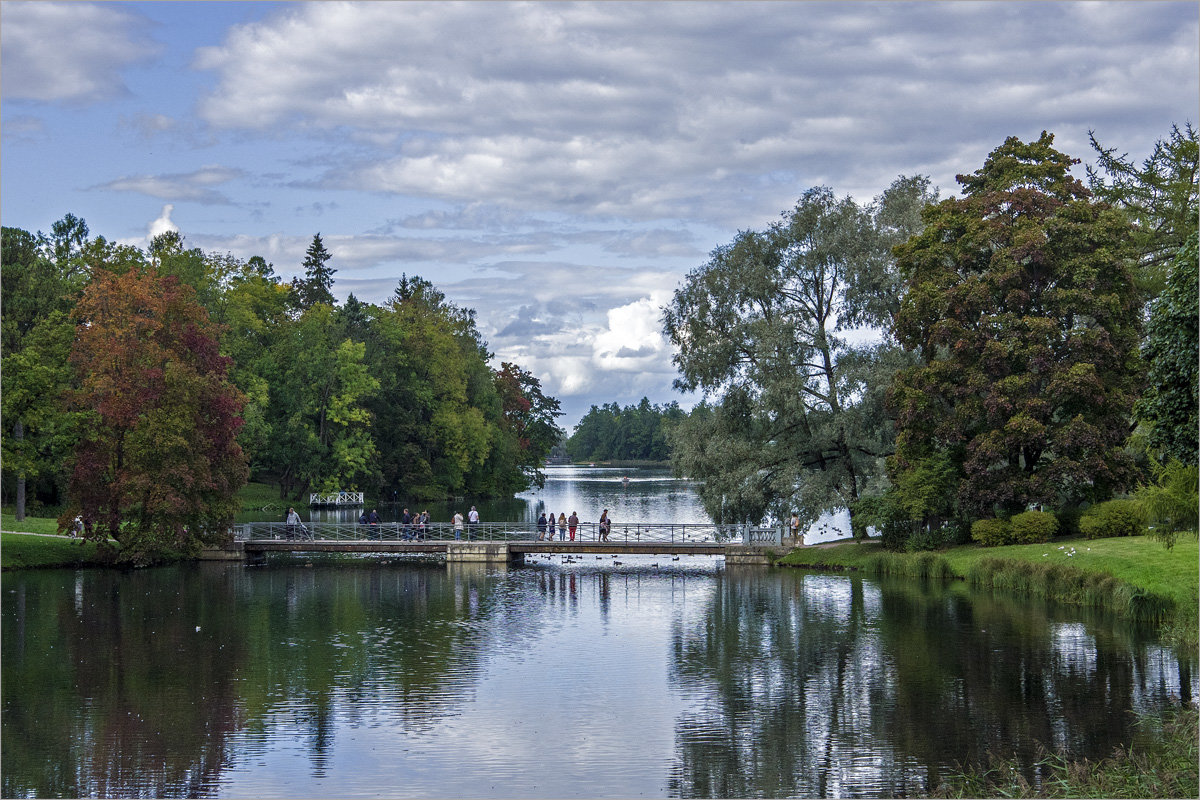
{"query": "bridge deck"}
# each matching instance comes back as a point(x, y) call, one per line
point(515, 546)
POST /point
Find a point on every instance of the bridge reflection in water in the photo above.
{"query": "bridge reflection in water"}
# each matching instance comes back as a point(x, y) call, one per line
point(507, 541)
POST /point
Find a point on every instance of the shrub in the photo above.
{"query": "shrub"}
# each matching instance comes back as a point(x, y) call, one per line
point(991, 532)
point(1113, 518)
point(1031, 527)
point(1068, 520)
point(1171, 503)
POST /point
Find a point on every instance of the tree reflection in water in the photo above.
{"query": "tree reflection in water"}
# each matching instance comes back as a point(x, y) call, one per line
point(826, 686)
point(546, 681)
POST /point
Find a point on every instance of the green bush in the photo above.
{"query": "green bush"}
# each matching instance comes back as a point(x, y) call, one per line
point(1032, 527)
point(991, 532)
point(1113, 518)
point(1068, 520)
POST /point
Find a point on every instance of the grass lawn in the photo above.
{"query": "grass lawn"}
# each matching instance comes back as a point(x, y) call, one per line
point(259, 495)
point(1136, 560)
point(49, 525)
point(22, 550)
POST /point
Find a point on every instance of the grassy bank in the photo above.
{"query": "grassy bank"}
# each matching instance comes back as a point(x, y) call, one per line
point(1160, 762)
point(1134, 576)
point(27, 551)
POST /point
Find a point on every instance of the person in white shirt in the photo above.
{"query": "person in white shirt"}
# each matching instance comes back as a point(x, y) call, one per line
point(472, 522)
point(458, 524)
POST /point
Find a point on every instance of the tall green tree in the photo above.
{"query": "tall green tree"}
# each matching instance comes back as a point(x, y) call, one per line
point(795, 420)
point(1022, 312)
point(1162, 198)
point(319, 385)
point(317, 284)
point(40, 283)
point(158, 466)
point(1172, 397)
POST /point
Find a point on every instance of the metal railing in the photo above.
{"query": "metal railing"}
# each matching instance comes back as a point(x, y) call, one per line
point(336, 499)
point(633, 532)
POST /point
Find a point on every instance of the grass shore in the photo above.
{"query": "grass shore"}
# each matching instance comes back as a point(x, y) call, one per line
point(34, 550)
point(1134, 576)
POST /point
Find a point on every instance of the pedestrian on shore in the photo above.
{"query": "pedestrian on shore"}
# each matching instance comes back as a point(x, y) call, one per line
point(605, 524)
point(541, 526)
point(458, 524)
point(562, 527)
point(795, 528)
point(472, 522)
point(572, 524)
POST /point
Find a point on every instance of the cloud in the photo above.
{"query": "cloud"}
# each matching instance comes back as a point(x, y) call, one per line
point(24, 128)
point(722, 112)
point(70, 52)
point(196, 186)
point(633, 341)
point(163, 224)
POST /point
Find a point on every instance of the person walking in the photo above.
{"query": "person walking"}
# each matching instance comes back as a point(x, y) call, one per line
point(405, 523)
point(572, 524)
point(605, 524)
point(541, 526)
point(472, 522)
point(562, 527)
point(795, 528)
point(291, 521)
point(458, 524)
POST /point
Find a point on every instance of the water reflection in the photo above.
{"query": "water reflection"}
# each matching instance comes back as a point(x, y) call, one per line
point(360, 678)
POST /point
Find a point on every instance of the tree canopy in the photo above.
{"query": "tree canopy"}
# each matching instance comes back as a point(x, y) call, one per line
point(122, 364)
point(795, 420)
point(629, 433)
point(1022, 312)
point(158, 464)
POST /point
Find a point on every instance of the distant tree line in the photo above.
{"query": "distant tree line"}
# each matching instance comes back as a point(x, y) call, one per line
point(1036, 350)
point(631, 433)
point(142, 388)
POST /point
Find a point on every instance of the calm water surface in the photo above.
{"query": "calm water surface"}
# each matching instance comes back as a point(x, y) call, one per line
point(336, 677)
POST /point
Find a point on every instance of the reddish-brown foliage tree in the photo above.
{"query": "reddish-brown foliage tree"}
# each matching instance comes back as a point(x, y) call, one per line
point(159, 467)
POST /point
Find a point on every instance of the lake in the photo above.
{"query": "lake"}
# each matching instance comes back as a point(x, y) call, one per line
point(344, 676)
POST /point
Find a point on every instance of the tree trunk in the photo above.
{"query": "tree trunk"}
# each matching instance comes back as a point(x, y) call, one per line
point(19, 435)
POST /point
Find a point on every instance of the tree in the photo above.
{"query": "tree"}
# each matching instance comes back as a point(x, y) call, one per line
point(529, 415)
point(38, 290)
point(317, 284)
point(1169, 404)
point(629, 433)
point(796, 420)
point(320, 424)
point(1161, 199)
point(158, 466)
point(1023, 316)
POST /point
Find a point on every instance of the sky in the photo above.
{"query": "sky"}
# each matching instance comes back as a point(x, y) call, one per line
point(558, 167)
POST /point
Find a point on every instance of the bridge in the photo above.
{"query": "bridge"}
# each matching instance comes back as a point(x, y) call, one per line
point(506, 542)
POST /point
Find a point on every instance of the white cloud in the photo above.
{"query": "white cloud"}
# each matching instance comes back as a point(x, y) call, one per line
point(717, 111)
point(69, 52)
point(633, 341)
point(163, 224)
point(196, 186)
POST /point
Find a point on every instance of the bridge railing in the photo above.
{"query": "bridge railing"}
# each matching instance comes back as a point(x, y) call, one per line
point(631, 532)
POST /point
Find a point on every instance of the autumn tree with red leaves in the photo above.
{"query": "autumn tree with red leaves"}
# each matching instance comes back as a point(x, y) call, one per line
point(158, 467)
point(529, 416)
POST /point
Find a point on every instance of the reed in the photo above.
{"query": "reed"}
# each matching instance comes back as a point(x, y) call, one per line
point(1161, 761)
point(1066, 584)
